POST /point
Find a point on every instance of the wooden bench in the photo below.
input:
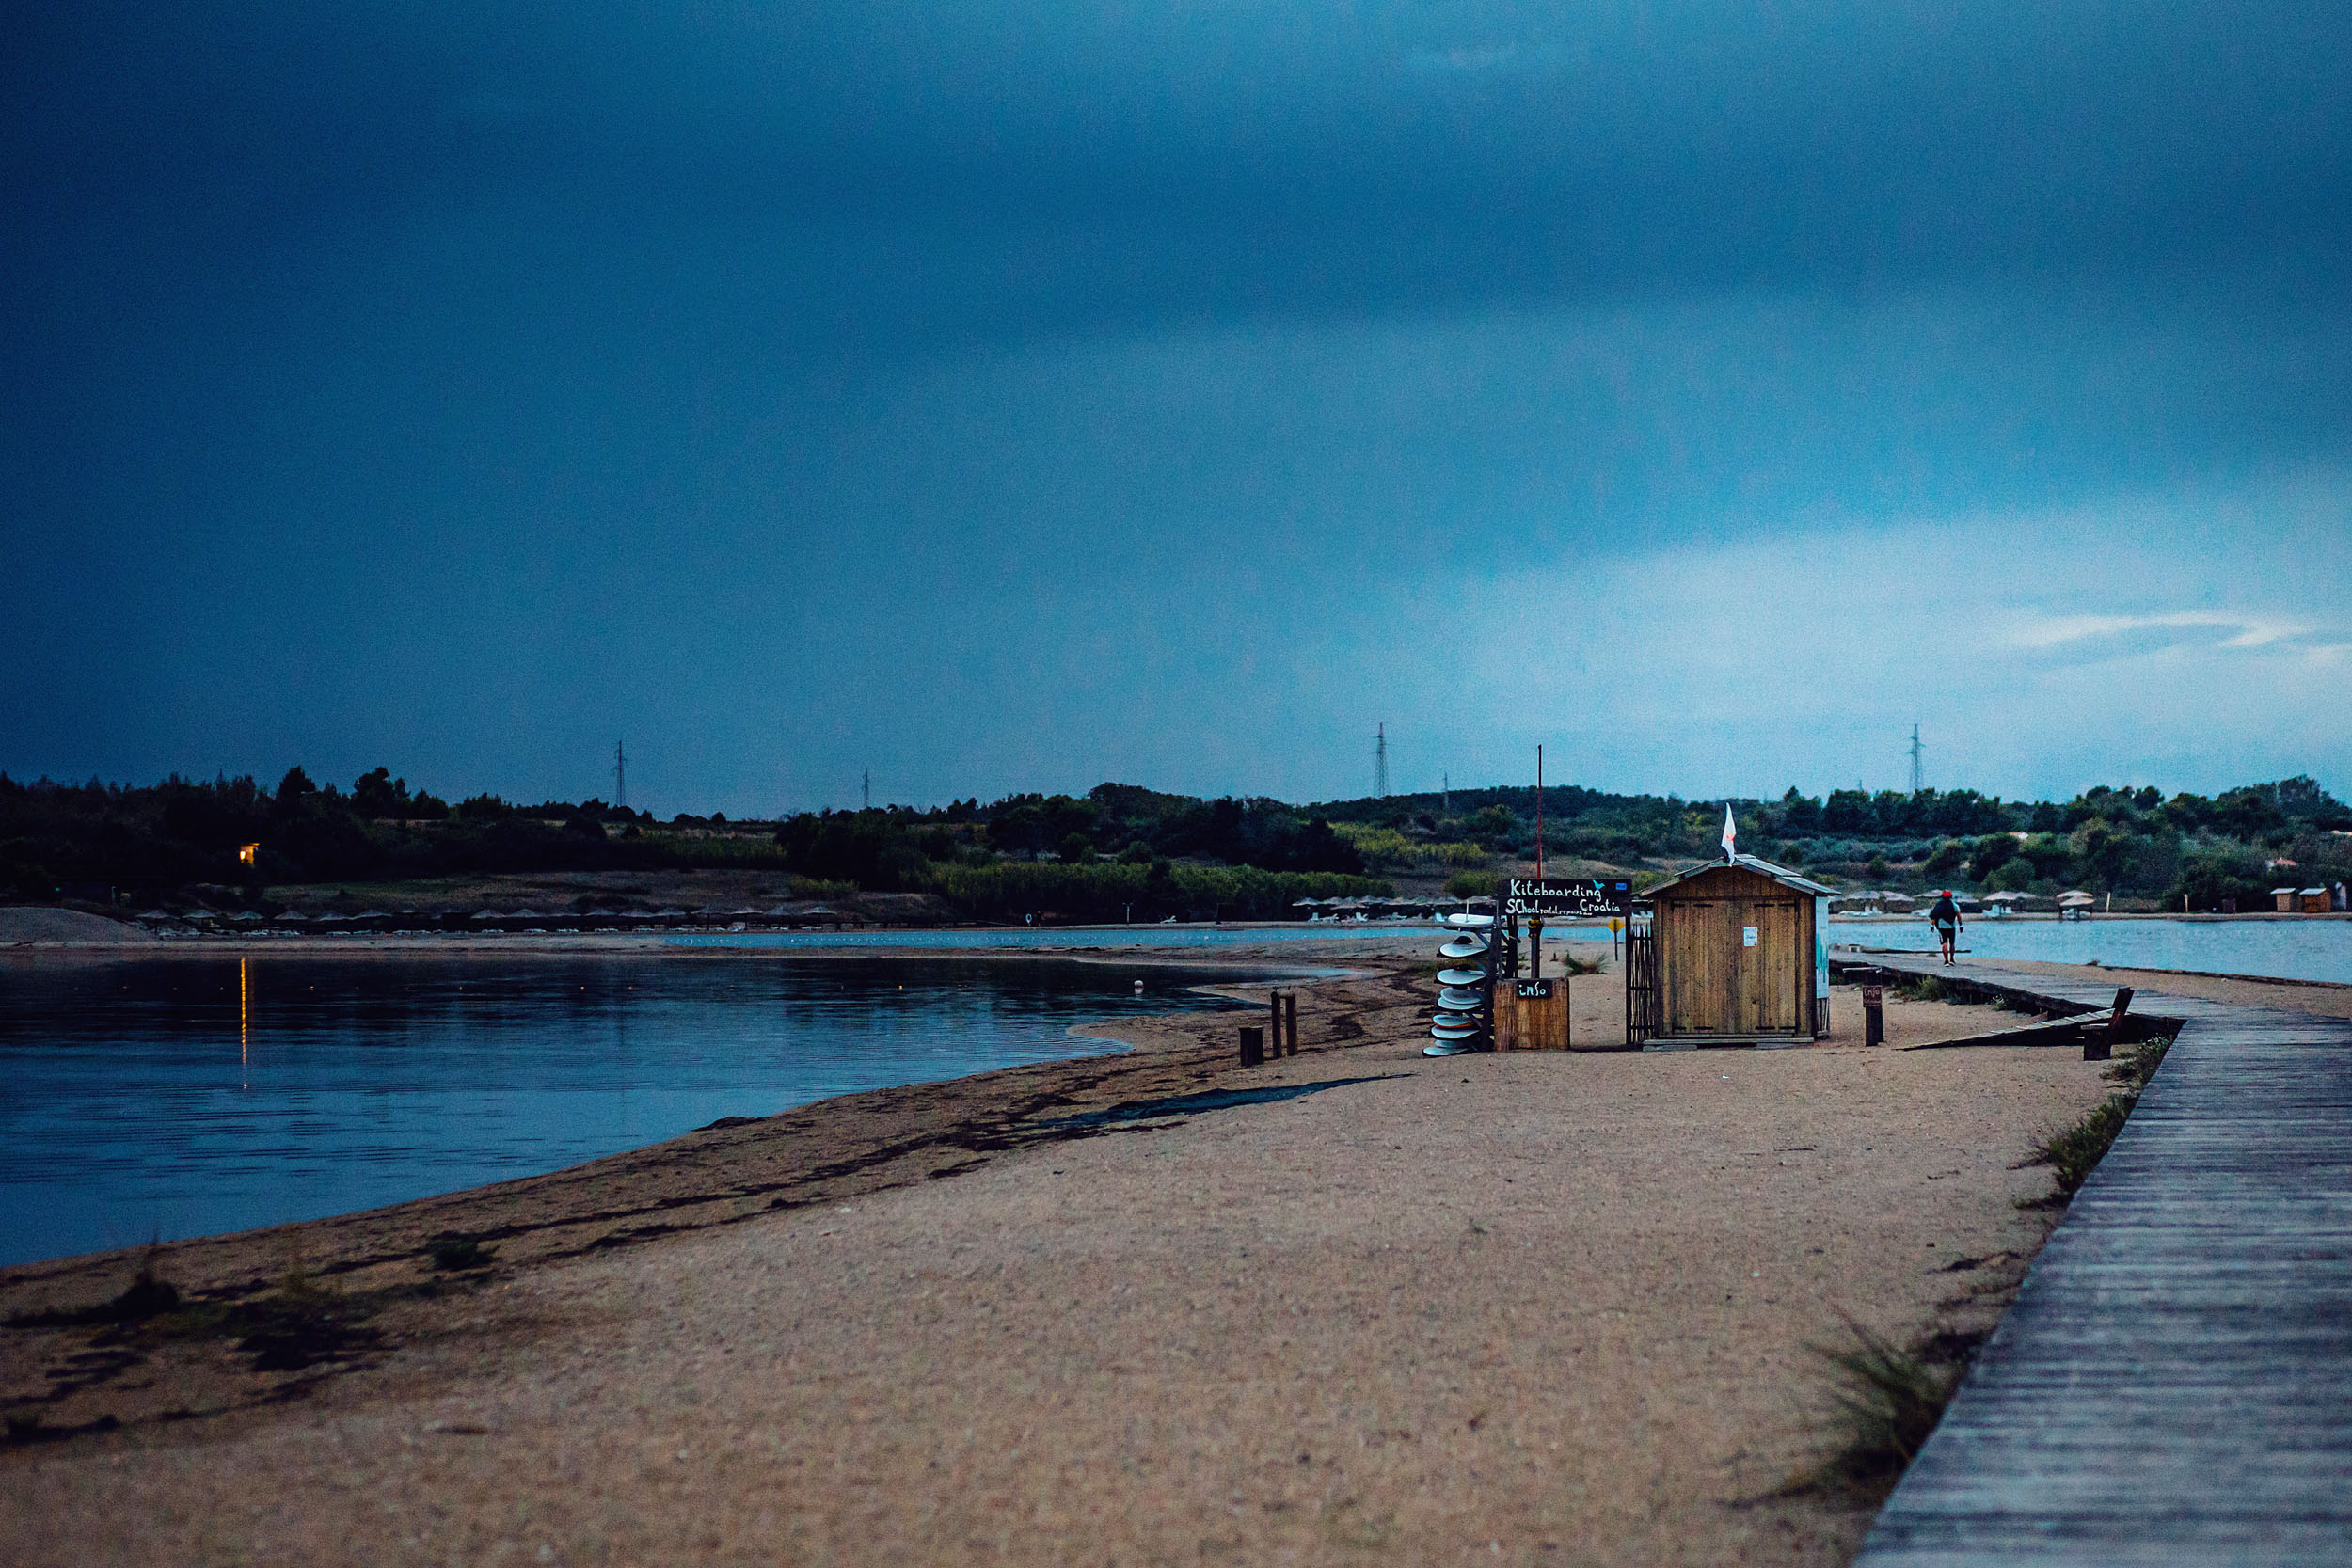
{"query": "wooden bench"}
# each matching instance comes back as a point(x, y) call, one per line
point(2099, 1037)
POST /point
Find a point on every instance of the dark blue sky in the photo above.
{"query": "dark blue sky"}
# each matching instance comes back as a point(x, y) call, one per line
point(1012, 397)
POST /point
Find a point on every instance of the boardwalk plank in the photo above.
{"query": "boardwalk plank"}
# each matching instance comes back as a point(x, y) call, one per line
point(2174, 1384)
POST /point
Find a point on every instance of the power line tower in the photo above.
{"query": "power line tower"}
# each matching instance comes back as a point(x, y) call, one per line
point(866, 789)
point(1919, 779)
point(619, 775)
point(1445, 796)
point(1380, 762)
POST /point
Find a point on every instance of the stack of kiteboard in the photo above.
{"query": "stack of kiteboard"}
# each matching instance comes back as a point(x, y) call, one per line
point(1464, 1021)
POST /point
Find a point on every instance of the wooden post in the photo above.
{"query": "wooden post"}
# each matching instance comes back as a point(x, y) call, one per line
point(2099, 1042)
point(1290, 1025)
point(1252, 1046)
point(1274, 1021)
point(1873, 1016)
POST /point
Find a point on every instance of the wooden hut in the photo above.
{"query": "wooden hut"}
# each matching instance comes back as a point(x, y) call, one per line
point(1738, 956)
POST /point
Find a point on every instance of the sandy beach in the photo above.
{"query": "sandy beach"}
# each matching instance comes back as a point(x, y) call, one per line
point(1354, 1306)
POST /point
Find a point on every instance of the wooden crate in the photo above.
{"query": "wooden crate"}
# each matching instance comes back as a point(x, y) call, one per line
point(1532, 1024)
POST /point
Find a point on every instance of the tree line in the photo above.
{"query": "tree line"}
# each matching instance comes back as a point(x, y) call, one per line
point(1122, 845)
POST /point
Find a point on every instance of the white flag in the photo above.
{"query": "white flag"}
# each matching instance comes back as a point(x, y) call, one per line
point(1731, 835)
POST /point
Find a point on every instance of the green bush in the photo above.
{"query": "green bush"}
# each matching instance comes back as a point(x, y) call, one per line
point(2012, 876)
point(1990, 854)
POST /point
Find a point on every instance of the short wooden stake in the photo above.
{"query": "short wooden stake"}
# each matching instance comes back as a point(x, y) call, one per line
point(1290, 1024)
point(1252, 1046)
point(2099, 1042)
point(1873, 1014)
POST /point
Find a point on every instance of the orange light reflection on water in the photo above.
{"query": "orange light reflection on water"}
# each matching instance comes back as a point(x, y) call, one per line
point(244, 1027)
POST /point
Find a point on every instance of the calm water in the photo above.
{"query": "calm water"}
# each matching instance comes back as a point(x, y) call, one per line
point(189, 1096)
point(1067, 936)
point(2295, 950)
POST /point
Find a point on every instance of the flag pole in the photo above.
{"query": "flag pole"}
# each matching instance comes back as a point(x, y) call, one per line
point(1535, 922)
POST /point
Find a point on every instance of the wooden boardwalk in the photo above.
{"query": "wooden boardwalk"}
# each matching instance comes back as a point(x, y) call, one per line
point(2174, 1382)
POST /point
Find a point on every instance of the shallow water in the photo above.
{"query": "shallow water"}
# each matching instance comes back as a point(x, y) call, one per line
point(1030, 937)
point(187, 1096)
point(2290, 949)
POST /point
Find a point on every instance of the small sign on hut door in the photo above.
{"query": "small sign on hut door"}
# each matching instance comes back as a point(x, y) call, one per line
point(1747, 936)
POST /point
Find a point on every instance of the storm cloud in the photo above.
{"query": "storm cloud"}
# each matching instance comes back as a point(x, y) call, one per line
point(1013, 397)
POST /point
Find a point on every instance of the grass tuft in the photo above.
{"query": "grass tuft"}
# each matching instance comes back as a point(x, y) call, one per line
point(146, 1296)
point(1887, 1401)
point(2135, 1068)
point(2074, 1152)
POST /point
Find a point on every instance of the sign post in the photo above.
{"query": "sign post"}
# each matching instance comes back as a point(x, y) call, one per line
point(1539, 898)
point(1558, 898)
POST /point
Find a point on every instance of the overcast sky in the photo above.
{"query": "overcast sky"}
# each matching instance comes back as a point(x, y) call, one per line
point(1013, 396)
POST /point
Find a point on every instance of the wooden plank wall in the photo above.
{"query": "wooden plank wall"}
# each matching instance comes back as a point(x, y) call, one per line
point(1771, 993)
point(1717, 986)
point(1523, 1023)
point(1699, 968)
point(2174, 1384)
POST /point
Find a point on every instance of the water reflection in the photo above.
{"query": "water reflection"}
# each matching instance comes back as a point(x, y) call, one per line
point(388, 1079)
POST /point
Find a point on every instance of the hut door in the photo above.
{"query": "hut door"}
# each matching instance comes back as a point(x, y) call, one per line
point(1702, 973)
point(1771, 968)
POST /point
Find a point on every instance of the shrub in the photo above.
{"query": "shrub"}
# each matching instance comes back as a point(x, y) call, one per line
point(2012, 876)
point(1383, 845)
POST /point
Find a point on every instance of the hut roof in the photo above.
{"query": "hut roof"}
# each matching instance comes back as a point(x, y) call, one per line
point(1780, 873)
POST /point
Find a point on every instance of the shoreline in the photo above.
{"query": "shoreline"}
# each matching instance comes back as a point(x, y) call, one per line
point(269, 938)
point(1185, 1032)
point(1171, 1039)
point(1241, 1258)
point(1202, 1008)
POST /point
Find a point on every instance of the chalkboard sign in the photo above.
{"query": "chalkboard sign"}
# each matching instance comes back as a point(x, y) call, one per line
point(1555, 899)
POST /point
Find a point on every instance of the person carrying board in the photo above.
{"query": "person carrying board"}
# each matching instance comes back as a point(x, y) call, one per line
point(1944, 914)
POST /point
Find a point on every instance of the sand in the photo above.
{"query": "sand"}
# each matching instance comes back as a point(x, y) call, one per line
point(1535, 1308)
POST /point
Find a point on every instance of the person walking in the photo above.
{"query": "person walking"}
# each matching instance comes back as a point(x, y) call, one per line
point(1944, 914)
